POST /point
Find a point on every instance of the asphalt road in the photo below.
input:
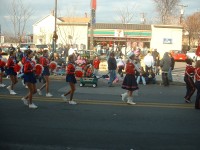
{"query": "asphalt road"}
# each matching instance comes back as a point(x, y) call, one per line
point(160, 120)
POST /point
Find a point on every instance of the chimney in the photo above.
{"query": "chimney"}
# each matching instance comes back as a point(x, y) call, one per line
point(85, 15)
point(52, 12)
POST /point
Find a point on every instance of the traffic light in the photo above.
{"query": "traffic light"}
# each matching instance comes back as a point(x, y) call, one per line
point(93, 16)
point(55, 36)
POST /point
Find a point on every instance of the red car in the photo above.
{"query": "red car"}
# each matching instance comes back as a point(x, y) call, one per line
point(178, 55)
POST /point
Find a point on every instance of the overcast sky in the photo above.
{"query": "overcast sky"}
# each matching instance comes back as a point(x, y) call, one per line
point(106, 10)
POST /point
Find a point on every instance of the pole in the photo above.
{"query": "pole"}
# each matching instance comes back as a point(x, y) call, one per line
point(91, 32)
point(54, 34)
point(92, 22)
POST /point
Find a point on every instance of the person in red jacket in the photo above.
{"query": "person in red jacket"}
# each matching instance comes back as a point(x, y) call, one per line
point(96, 63)
point(189, 80)
point(44, 61)
point(70, 77)
point(197, 84)
point(30, 80)
point(129, 82)
point(11, 72)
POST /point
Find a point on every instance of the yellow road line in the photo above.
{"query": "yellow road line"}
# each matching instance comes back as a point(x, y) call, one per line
point(105, 102)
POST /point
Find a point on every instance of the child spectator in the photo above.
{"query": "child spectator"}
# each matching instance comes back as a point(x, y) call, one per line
point(150, 77)
point(96, 63)
point(141, 76)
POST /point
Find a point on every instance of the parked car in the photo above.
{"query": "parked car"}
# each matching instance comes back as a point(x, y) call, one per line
point(5, 50)
point(192, 54)
point(41, 46)
point(178, 55)
point(24, 46)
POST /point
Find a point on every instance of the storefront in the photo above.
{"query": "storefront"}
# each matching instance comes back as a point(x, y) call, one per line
point(130, 35)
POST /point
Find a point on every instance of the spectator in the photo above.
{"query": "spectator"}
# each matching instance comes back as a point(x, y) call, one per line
point(112, 66)
point(141, 76)
point(120, 66)
point(156, 58)
point(96, 63)
point(11, 48)
point(19, 54)
point(148, 61)
point(171, 68)
point(165, 65)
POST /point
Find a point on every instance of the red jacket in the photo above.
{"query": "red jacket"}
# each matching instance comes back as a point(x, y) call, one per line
point(130, 68)
point(96, 63)
point(11, 62)
point(189, 70)
point(23, 60)
point(44, 61)
point(70, 68)
point(29, 66)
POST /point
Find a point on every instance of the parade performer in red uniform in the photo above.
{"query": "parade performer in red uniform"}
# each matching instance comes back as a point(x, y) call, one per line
point(11, 72)
point(30, 80)
point(197, 84)
point(44, 61)
point(189, 80)
point(70, 77)
point(129, 82)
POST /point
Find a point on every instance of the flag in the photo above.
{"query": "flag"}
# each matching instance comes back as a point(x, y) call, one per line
point(93, 4)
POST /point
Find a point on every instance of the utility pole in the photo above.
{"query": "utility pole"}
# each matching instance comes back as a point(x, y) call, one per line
point(55, 36)
point(182, 12)
point(92, 22)
point(143, 20)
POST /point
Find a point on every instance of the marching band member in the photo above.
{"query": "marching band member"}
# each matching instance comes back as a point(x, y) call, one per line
point(70, 77)
point(189, 80)
point(2, 69)
point(30, 80)
point(44, 61)
point(24, 58)
point(197, 84)
point(11, 72)
point(129, 82)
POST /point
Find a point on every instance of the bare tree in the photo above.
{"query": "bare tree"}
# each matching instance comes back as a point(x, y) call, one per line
point(167, 10)
point(19, 15)
point(126, 16)
point(69, 33)
point(192, 26)
point(125, 13)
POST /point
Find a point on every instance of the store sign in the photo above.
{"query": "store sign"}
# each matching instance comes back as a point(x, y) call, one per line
point(119, 33)
point(167, 41)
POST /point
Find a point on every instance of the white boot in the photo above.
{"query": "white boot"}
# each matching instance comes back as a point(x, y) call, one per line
point(130, 101)
point(124, 96)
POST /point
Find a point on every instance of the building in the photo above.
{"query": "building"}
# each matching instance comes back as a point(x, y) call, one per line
point(76, 31)
point(69, 30)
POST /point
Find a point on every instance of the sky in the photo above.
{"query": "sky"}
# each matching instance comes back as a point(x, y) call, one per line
point(107, 10)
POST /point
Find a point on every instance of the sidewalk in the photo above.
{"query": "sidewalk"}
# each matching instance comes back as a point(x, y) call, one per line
point(177, 79)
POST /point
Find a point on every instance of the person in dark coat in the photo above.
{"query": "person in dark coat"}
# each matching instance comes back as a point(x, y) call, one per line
point(170, 78)
point(112, 66)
